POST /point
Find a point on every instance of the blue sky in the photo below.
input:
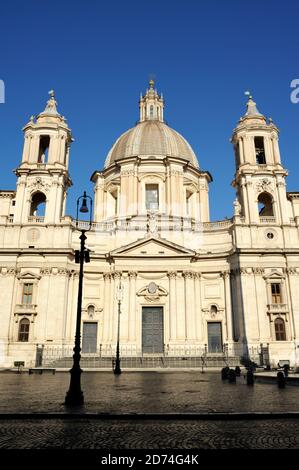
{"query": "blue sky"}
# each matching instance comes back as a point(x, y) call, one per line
point(99, 55)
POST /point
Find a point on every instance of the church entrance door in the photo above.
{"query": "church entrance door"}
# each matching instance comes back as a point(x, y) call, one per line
point(152, 330)
point(214, 337)
point(89, 339)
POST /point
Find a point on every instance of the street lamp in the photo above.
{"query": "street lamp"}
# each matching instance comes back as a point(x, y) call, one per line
point(119, 294)
point(74, 396)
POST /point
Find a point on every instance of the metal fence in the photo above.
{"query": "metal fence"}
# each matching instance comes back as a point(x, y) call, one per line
point(181, 357)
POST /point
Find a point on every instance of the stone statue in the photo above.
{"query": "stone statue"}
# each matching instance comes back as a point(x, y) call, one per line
point(237, 207)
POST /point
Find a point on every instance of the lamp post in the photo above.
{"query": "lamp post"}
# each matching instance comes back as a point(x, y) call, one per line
point(74, 396)
point(119, 293)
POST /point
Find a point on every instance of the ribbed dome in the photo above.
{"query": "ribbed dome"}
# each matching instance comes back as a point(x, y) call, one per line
point(151, 138)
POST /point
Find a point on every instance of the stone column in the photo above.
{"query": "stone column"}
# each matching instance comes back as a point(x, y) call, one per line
point(116, 276)
point(251, 198)
point(20, 216)
point(198, 306)
point(276, 150)
point(99, 200)
point(281, 190)
point(241, 150)
point(189, 305)
point(293, 284)
point(135, 211)
point(8, 284)
point(132, 306)
point(228, 306)
point(261, 301)
point(180, 301)
point(172, 306)
point(204, 201)
point(26, 148)
point(106, 307)
point(168, 192)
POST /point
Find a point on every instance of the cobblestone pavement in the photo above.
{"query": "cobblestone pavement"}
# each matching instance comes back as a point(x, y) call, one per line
point(163, 434)
point(144, 392)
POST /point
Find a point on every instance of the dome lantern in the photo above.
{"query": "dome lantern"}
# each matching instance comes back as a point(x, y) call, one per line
point(151, 104)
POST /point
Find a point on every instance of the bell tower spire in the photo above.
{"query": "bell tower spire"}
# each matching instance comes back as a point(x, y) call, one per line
point(43, 177)
point(151, 104)
point(260, 177)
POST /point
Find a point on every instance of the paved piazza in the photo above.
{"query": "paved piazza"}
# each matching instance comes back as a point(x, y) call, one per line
point(144, 392)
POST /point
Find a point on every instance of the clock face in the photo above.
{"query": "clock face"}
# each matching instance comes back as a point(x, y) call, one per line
point(152, 288)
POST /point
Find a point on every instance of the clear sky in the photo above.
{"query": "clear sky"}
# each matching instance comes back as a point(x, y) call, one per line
point(99, 55)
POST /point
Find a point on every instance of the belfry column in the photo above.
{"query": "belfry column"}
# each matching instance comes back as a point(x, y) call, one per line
point(132, 306)
point(172, 305)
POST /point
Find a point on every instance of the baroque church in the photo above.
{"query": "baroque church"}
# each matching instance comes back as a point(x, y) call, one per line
point(186, 287)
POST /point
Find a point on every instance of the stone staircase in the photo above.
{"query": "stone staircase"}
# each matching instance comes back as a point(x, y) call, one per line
point(147, 362)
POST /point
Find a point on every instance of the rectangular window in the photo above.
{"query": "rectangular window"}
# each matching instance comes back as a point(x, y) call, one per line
point(152, 197)
point(275, 293)
point(24, 331)
point(27, 294)
point(280, 332)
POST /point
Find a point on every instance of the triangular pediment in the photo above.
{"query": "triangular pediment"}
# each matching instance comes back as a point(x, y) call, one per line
point(28, 275)
point(148, 247)
point(274, 275)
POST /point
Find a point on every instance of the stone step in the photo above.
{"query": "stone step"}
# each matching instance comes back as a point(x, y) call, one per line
point(147, 362)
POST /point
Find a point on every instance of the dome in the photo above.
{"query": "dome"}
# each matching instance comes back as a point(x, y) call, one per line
point(151, 138)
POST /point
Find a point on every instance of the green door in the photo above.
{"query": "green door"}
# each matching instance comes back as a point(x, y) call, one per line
point(152, 330)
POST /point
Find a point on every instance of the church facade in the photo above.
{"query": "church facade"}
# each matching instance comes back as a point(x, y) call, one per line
point(186, 286)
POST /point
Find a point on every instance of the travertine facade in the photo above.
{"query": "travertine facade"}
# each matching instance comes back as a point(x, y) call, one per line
point(190, 286)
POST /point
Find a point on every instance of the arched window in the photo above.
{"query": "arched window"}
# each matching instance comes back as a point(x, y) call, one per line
point(280, 330)
point(38, 205)
point(44, 144)
point(24, 327)
point(265, 204)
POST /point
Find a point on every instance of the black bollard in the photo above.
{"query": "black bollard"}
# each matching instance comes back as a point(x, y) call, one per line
point(286, 369)
point(224, 373)
point(281, 380)
point(232, 376)
point(250, 377)
point(237, 371)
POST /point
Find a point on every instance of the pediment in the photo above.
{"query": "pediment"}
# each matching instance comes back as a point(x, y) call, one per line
point(152, 247)
point(28, 275)
point(274, 275)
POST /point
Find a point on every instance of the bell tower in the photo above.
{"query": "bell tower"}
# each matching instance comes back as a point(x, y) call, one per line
point(43, 177)
point(260, 178)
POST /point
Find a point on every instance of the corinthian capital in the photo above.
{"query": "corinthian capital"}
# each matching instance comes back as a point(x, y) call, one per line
point(172, 274)
point(132, 274)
